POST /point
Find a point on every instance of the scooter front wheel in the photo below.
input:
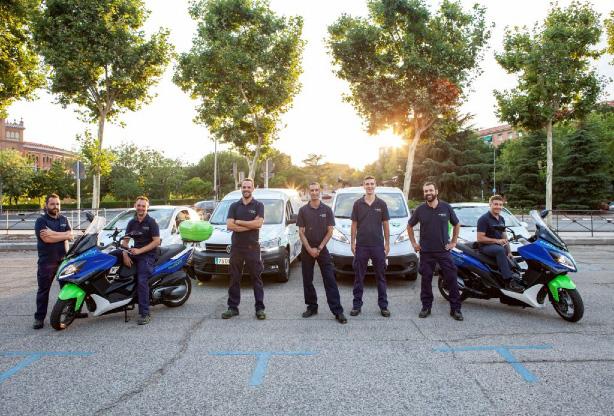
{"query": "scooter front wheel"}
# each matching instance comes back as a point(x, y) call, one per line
point(570, 306)
point(63, 314)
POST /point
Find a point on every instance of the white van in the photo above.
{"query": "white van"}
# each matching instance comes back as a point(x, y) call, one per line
point(280, 244)
point(401, 261)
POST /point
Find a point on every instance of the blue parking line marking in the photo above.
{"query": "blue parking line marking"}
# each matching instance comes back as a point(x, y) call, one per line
point(262, 361)
point(33, 356)
point(505, 352)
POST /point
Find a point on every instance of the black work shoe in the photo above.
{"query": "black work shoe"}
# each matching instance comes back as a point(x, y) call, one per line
point(309, 312)
point(514, 285)
point(38, 324)
point(230, 313)
point(341, 318)
point(385, 313)
point(355, 312)
point(143, 319)
point(457, 315)
point(424, 313)
point(260, 314)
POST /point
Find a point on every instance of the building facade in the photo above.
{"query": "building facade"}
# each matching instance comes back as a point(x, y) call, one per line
point(42, 156)
point(498, 135)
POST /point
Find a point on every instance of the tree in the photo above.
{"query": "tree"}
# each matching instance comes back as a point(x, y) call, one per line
point(407, 66)
point(609, 24)
point(100, 59)
point(97, 160)
point(56, 179)
point(244, 67)
point(196, 188)
point(20, 72)
point(162, 176)
point(555, 81)
point(15, 174)
point(226, 183)
point(312, 165)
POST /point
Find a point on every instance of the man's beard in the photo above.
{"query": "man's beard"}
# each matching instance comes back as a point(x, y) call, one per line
point(53, 211)
point(430, 198)
point(246, 194)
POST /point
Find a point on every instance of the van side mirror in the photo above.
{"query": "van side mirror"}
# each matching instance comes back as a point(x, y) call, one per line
point(292, 219)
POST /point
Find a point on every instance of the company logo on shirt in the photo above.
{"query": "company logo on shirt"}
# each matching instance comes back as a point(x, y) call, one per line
point(443, 215)
point(323, 215)
point(251, 211)
point(146, 228)
point(378, 209)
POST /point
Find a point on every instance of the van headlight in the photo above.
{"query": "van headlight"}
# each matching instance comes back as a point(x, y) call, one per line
point(564, 260)
point(339, 236)
point(70, 269)
point(404, 236)
point(270, 245)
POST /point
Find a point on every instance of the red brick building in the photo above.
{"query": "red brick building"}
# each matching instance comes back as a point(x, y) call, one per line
point(41, 155)
point(499, 134)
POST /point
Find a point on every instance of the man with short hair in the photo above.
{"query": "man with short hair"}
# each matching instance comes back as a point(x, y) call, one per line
point(494, 243)
point(245, 218)
point(434, 248)
point(52, 233)
point(370, 235)
point(145, 232)
point(316, 222)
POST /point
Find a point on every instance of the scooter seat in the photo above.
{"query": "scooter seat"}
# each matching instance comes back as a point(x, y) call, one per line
point(165, 253)
point(471, 249)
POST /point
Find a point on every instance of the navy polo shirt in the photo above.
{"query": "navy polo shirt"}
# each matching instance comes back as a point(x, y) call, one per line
point(369, 219)
point(487, 223)
point(144, 231)
point(434, 230)
point(240, 211)
point(51, 251)
point(315, 221)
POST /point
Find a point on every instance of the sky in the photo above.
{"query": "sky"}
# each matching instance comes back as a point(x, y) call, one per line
point(319, 121)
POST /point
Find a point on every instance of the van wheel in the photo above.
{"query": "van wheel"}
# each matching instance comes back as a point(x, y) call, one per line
point(284, 268)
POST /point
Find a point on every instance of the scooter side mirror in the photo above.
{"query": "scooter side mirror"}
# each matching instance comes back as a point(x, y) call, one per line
point(544, 213)
point(89, 216)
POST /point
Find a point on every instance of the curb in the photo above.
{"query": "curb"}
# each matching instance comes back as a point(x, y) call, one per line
point(589, 241)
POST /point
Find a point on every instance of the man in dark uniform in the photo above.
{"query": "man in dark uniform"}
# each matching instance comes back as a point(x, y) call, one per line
point(52, 233)
point(145, 232)
point(245, 218)
point(494, 243)
point(316, 222)
point(369, 218)
point(434, 248)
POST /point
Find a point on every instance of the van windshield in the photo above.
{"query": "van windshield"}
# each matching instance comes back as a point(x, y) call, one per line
point(273, 211)
point(395, 202)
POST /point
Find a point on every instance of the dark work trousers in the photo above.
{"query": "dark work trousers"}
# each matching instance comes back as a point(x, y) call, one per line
point(44, 276)
point(328, 276)
point(500, 254)
point(448, 270)
point(377, 254)
point(144, 269)
point(250, 256)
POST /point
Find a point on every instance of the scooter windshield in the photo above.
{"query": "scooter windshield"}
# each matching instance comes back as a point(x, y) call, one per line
point(543, 231)
point(89, 238)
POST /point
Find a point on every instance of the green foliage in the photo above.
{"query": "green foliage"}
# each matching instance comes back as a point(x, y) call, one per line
point(15, 174)
point(609, 25)
point(20, 72)
point(96, 158)
point(244, 67)
point(226, 182)
point(197, 188)
point(406, 65)
point(58, 179)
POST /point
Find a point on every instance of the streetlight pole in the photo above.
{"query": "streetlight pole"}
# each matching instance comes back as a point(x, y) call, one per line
point(494, 169)
point(215, 168)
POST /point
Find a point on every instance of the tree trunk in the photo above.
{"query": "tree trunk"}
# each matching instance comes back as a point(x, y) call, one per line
point(254, 163)
point(413, 144)
point(549, 171)
point(96, 179)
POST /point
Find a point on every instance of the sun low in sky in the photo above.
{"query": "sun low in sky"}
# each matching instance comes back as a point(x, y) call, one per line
point(319, 121)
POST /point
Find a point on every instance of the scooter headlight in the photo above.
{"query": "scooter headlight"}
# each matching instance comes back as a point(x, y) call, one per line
point(70, 269)
point(404, 236)
point(339, 236)
point(564, 260)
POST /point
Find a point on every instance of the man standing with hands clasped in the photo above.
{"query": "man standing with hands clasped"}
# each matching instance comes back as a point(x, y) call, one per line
point(369, 218)
point(435, 245)
point(316, 222)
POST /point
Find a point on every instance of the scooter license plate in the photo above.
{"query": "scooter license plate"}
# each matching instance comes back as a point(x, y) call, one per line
point(222, 260)
point(370, 262)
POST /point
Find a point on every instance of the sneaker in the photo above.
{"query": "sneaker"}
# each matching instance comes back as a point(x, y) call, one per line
point(143, 319)
point(341, 318)
point(424, 312)
point(309, 312)
point(457, 315)
point(260, 314)
point(38, 324)
point(385, 313)
point(355, 312)
point(230, 313)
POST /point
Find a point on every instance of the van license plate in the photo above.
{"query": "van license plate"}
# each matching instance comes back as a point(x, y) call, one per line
point(222, 260)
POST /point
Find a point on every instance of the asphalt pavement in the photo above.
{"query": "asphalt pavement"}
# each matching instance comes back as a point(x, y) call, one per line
point(501, 360)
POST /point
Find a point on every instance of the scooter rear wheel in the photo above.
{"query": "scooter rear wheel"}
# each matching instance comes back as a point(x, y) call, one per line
point(63, 314)
point(570, 306)
point(178, 302)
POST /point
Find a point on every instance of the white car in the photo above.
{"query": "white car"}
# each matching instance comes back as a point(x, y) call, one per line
point(168, 218)
point(280, 244)
point(402, 259)
point(468, 214)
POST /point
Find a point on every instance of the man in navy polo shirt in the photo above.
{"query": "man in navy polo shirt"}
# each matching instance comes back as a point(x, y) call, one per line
point(245, 218)
point(52, 233)
point(145, 232)
point(494, 243)
point(369, 218)
point(316, 222)
point(434, 248)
